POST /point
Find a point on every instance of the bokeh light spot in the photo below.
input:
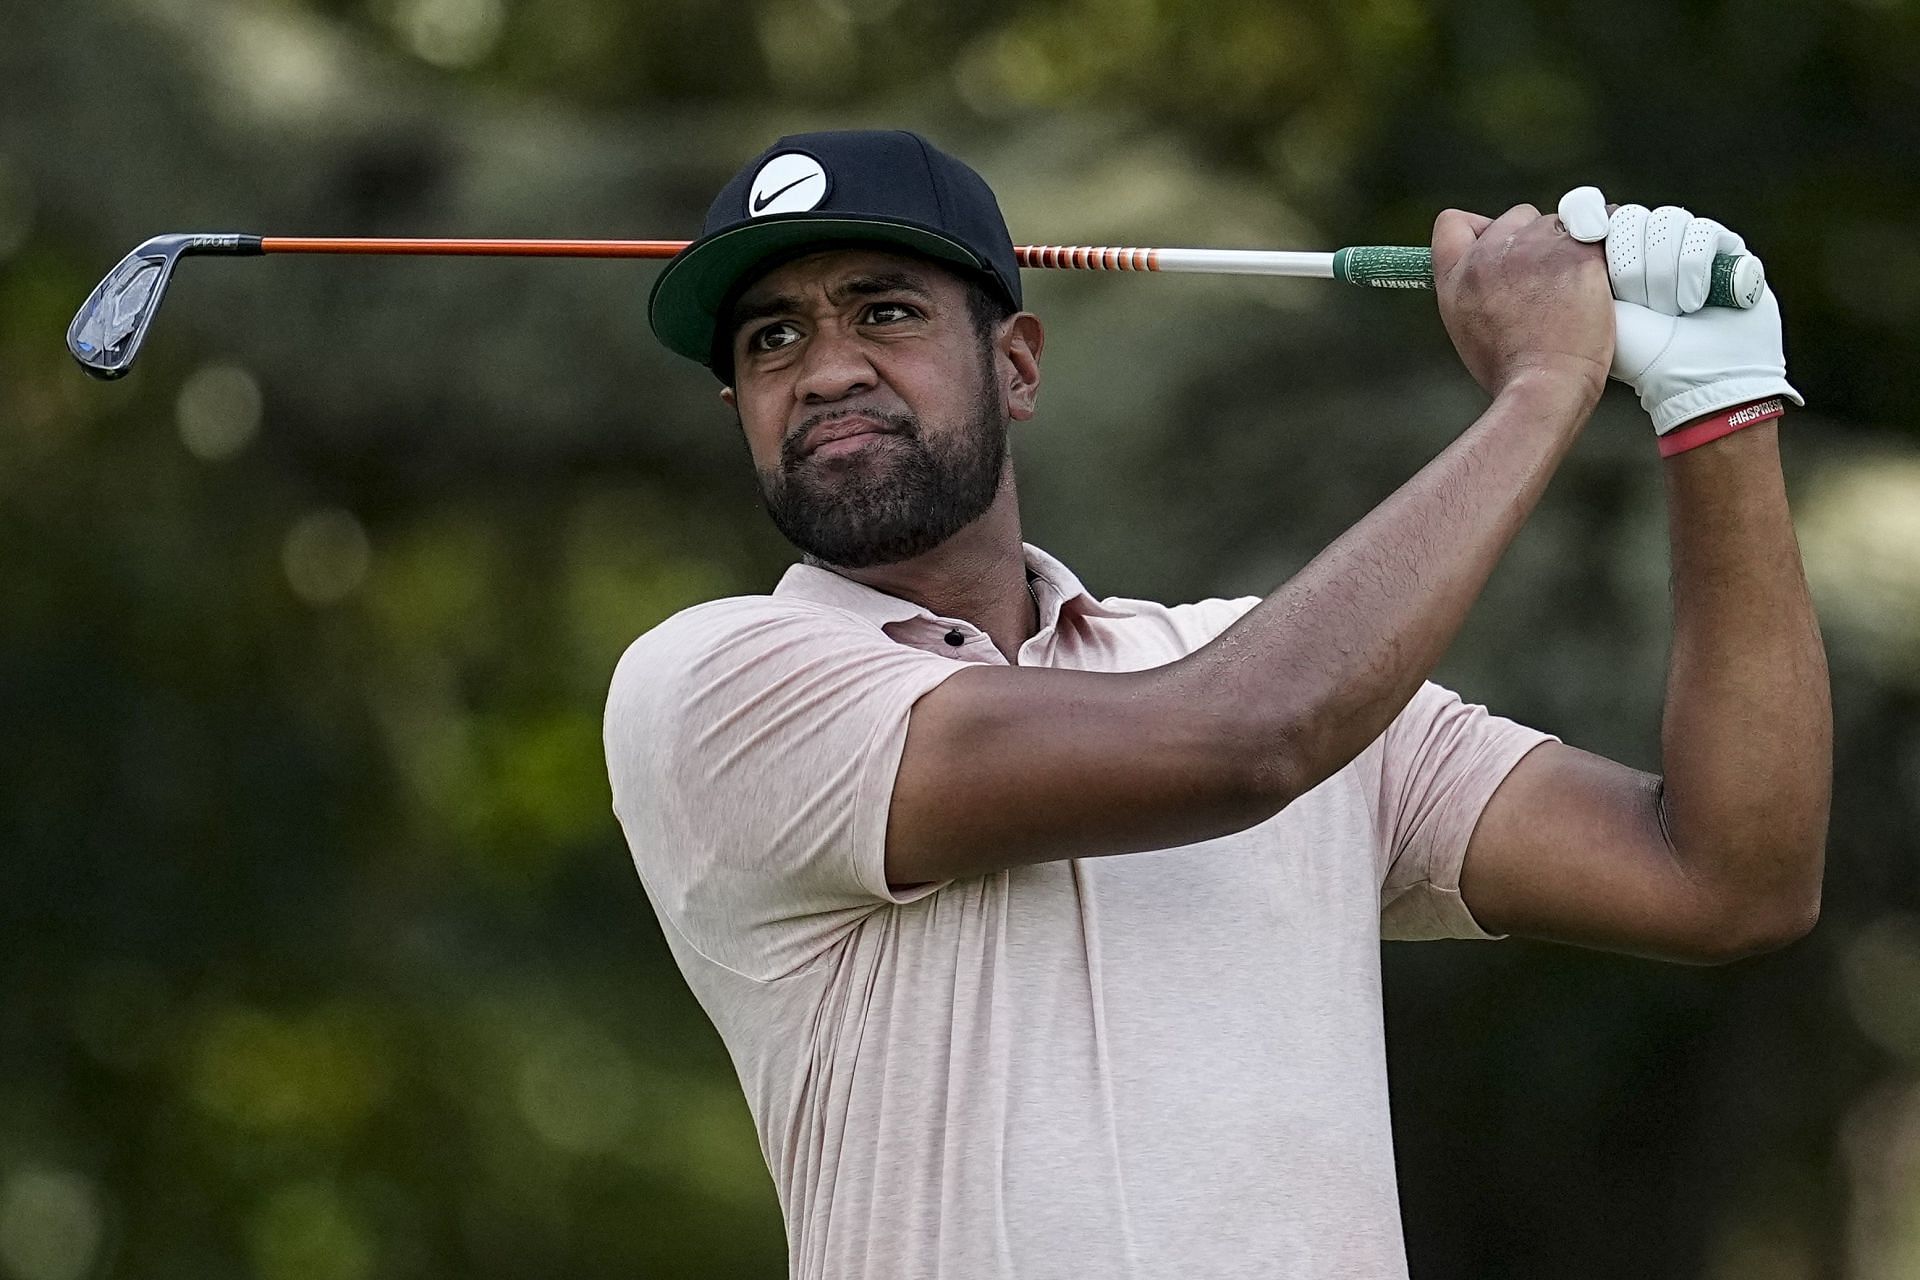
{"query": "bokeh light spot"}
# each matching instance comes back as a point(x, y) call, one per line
point(1880, 1144)
point(1859, 530)
point(1881, 972)
point(51, 1225)
point(1003, 73)
point(450, 33)
point(275, 64)
point(807, 45)
point(862, 10)
point(326, 556)
point(576, 1089)
point(316, 1076)
point(309, 1232)
point(218, 411)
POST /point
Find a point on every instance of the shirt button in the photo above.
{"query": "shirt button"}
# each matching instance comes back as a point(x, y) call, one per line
point(955, 639)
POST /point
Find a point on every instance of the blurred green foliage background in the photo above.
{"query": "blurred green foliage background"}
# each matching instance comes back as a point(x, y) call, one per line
point(324, 960)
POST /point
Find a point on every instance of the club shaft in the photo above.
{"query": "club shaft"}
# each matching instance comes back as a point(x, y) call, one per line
point(1737, 279)
point(1066, 257)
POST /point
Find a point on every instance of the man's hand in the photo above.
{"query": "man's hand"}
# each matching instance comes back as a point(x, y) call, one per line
point(1684, 358)
point(1521, 299)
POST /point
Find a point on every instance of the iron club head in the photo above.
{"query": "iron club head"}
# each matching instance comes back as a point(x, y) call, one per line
point(106, 334)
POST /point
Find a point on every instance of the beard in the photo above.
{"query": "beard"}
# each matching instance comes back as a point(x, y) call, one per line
point(899, 497)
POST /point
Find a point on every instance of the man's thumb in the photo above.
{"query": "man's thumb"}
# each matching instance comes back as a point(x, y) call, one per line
point(1583, 212)
point(1454, 232)
point(1641, 335)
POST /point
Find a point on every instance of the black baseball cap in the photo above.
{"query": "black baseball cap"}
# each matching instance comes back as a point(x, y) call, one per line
point(886, 188)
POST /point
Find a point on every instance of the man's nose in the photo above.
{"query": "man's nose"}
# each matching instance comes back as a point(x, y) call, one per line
point(833, 367)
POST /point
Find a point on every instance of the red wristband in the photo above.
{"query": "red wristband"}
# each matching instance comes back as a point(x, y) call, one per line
point(1710, 428)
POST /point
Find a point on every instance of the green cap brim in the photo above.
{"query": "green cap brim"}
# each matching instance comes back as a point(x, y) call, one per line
point(684, 308)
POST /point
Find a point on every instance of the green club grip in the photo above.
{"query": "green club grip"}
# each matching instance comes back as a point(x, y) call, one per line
point(1737, 277)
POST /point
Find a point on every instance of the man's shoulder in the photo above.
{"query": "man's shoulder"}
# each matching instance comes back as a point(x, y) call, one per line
point(679, 643)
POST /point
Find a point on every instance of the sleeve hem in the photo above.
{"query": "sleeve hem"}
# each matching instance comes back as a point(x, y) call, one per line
point(1434, 907)
point(1515, 750)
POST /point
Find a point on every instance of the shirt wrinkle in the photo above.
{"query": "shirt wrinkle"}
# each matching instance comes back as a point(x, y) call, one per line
point(1102, 1056)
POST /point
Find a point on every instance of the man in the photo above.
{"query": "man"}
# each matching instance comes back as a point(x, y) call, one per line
point(877, 811)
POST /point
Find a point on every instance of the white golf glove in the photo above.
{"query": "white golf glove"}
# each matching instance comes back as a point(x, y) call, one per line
point(1684, 358)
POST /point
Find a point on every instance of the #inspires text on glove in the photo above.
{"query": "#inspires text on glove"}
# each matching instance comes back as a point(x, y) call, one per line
point(1685, 359)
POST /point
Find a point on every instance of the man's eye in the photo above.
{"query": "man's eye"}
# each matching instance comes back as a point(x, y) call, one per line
point(888, 312)
point(773, 337)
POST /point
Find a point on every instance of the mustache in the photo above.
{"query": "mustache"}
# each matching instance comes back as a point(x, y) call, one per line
point(897, 423)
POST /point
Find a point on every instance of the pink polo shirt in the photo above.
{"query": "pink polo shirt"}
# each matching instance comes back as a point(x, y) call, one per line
point(1152, 1065)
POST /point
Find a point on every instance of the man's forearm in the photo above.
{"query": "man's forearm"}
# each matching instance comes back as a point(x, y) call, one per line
point(1322, 666)
point(1747, 735)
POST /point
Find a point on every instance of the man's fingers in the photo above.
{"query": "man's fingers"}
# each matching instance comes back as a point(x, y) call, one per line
point(1666, 232)
point(1704, 238)
point(1626, 256)
point(1583, 212)
point(1501, 234)
point(1454, 232)
point(1510, 222)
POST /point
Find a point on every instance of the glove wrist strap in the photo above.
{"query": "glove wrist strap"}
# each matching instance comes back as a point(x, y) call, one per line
point(1712, 427)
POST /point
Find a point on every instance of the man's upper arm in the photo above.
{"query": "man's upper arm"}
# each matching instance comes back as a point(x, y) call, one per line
point(1571, 848)
point(1007, 766)
point(750, 746)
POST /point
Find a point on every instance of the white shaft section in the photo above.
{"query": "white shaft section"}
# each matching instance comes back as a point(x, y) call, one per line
point(1245, 262)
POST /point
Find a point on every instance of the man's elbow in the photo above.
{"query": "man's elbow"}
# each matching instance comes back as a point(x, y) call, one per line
point(1752, 927)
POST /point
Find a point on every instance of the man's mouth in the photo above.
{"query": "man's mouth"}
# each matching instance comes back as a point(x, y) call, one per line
point(840, 436)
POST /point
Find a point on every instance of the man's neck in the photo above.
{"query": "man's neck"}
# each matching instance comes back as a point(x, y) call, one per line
point(979, 575)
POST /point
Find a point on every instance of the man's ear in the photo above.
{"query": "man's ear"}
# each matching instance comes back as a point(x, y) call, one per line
point(727, 398)
point(1021, 345)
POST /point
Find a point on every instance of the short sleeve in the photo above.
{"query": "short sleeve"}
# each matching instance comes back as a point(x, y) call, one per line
point(1439, 763)
point(752, 746)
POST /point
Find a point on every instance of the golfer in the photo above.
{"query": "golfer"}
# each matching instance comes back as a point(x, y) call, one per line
point(1043, 928)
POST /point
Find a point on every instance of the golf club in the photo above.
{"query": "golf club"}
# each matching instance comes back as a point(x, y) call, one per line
point(106, 334)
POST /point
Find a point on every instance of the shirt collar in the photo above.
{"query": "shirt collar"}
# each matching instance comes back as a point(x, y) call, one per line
point(1054, 588)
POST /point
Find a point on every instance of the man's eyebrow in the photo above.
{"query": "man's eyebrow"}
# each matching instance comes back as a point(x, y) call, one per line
point(746, 313)
point(890, 282)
